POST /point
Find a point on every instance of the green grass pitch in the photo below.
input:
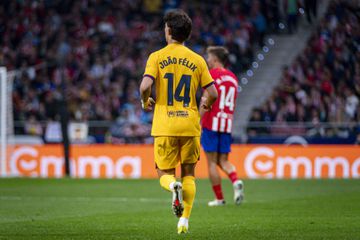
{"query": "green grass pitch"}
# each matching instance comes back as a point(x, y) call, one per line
point(140, 209)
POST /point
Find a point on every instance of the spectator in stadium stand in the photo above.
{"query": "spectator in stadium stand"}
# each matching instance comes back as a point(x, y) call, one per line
point(310, 9)
point(33, 127)
point(104, 45)
point(291, 8)
point(259, 21)
point(323, 82)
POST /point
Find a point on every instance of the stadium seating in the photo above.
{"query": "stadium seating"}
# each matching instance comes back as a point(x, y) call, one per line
point(319, 92)
point(102, 47)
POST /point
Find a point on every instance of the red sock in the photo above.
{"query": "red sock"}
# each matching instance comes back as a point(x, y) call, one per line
point(233, 177)
point(218, 192)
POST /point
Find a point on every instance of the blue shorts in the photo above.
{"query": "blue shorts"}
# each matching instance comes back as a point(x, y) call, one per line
point(215, 141)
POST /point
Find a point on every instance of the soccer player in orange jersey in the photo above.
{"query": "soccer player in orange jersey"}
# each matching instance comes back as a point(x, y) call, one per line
point(177, 72)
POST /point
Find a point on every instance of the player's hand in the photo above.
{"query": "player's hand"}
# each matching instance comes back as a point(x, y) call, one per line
point(148, 106)
point(203, 106)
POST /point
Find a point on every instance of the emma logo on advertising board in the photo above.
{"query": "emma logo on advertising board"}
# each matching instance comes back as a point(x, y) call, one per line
point(266, 162)
point(25, 161)
point(28, 161)
point(136, 161)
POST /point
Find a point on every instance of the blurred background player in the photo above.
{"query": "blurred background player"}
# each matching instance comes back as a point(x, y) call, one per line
point(217, 124)
point(177, 72)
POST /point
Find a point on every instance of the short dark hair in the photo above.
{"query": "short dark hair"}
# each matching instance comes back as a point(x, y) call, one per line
point(220, 52)
point(179, 23)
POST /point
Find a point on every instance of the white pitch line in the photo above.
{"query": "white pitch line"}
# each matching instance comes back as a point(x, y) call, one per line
point(108, 199)
point(105, 199)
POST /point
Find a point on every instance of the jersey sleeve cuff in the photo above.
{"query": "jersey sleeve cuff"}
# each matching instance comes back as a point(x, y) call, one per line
point(148, 75)
point(208, 85)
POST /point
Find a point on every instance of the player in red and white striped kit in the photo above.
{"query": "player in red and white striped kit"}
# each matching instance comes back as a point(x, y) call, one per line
point(217, 124)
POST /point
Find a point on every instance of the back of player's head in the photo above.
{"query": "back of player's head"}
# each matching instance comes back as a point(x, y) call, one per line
point(179, 23)
point(221, 53)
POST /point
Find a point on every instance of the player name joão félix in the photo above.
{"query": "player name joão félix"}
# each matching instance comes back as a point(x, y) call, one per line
point(180, 61)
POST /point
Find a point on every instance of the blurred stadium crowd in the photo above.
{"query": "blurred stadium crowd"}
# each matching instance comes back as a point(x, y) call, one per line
point(95, 51)
point(322, 84)
point(100, 48)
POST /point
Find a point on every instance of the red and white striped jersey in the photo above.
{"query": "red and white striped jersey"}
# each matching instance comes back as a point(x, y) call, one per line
point(220, 117)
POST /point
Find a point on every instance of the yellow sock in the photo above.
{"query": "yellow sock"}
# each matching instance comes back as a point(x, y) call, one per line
point(165, 181)
point(189, 191)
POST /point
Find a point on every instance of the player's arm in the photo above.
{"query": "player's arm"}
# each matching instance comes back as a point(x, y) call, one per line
point(210, 93)
point(145, 91)
point(208, 98)
point(149, 77)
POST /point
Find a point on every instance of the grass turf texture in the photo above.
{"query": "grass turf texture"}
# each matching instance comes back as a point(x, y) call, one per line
point(140, 209)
